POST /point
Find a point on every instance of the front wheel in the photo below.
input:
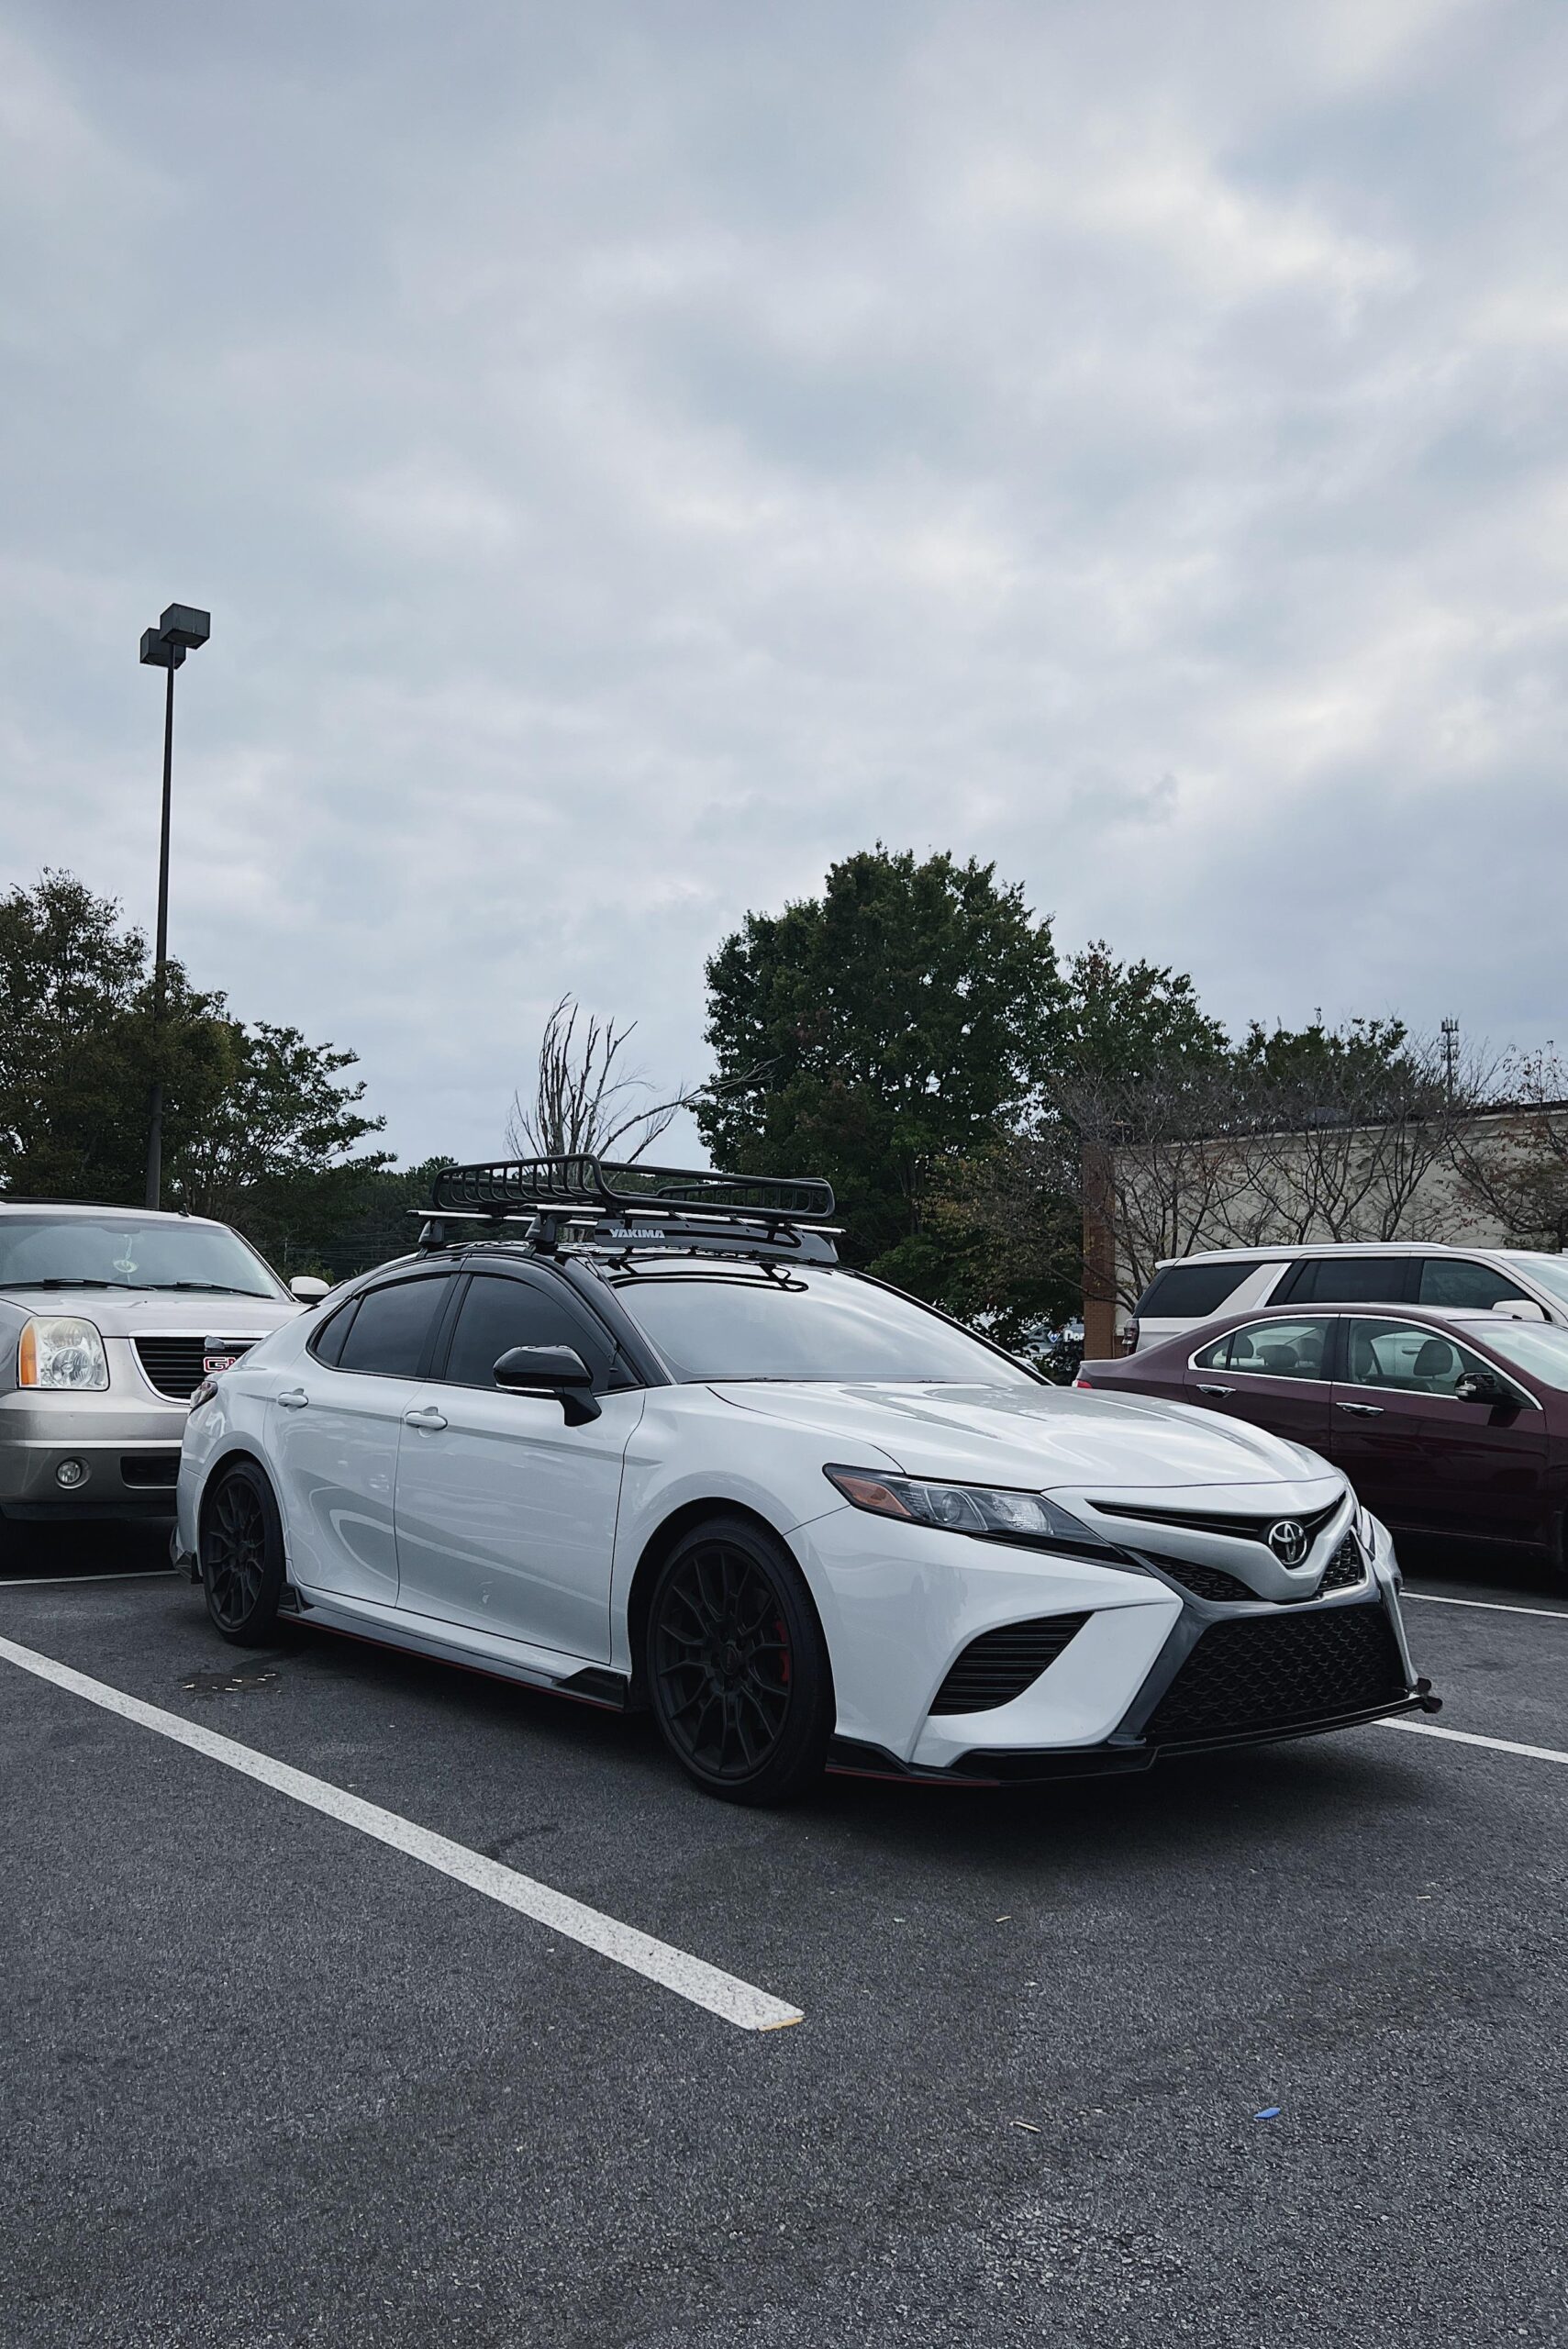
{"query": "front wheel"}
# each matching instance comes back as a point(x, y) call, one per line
point(737, 1666)
point(242, 1555)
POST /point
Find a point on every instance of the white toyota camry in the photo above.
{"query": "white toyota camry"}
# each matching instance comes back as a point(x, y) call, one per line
point(635, 1436)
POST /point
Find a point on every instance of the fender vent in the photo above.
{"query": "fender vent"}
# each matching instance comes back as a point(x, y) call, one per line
point(1000, 1665)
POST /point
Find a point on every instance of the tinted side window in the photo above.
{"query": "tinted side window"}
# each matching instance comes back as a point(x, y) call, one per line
point(392, 1327)
point(499, 1313)
point(1347, 1280)
point(1451, 1280)
point(328, 1343)
point(1190, 1292)
point(1272, 1350)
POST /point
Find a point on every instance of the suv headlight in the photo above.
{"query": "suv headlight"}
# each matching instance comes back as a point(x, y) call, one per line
point(994, 1513)
point(1366, 1527)
point(62, 1353)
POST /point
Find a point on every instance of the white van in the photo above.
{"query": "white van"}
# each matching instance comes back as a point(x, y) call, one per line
point(1524, 1284)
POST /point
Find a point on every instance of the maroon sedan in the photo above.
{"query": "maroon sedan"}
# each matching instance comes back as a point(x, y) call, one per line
point(1445, 1422)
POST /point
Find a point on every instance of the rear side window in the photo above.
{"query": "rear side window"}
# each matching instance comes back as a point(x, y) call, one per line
point(328, 1343)
point(499, 1313)
point(1272, 1350)
point(1191, 1292)
point(390, 1331)
point(1455, 1280)
point(1345, 1280)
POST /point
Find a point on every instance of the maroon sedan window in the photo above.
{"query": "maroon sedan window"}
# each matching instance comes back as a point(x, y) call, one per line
point(1271, 1349)
point(1416, 1360)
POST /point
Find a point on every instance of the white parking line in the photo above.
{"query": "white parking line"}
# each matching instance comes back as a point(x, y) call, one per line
point(1493, 1606)
point(1469, 1737)
point(43, 1582)
point(690, 1977)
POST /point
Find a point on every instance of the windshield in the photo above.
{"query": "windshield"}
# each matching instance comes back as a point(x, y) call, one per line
point(122, 1251)
point(1552, 1272)
point(1535, 1346)
point(822, 1326)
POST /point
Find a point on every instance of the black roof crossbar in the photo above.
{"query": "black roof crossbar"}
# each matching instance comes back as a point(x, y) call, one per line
point(563, 1188)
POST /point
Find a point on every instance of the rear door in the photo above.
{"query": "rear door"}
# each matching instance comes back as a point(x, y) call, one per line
point(507, 1514)
point(1275, 1374)
point(333, 1434)
point(1420, 1456)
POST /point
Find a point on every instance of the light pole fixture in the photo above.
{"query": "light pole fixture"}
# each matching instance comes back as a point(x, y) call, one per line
point(180, 630)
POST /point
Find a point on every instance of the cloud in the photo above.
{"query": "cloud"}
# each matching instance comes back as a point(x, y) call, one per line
point(634, 459)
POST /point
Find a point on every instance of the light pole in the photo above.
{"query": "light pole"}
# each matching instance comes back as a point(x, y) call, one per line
point(180, 630)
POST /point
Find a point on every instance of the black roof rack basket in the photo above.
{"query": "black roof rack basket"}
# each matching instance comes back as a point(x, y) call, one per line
point(595, 1186)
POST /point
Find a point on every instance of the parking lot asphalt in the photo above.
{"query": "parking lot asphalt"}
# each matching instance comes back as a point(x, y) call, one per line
point(269, 2082)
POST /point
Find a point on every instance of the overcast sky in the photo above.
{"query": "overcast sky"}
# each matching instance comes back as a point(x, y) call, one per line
point(636, 453)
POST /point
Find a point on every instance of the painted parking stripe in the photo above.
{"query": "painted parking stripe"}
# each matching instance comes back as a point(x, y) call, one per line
point(1469, 1737)
point(1492, 1606)
point(46, 1582)
point(690, 1977)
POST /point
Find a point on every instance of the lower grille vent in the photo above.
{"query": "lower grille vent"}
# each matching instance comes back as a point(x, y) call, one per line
point(1259, 1672)
point(1207, 1582)
point(1000, 1665)
point(1346, 1567)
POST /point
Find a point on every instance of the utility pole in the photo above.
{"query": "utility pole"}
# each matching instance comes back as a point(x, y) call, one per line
point(180, 631)
point(1450, 1054)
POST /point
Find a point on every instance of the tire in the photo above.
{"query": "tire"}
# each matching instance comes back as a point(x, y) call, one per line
point(735, 1666)
point(242, 1556)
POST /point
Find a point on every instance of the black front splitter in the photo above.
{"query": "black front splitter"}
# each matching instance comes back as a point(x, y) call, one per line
point(999, 1766)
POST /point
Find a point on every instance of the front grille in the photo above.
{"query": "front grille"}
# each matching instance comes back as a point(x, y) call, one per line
point(174, 1364)
point(1269, 1672)
point(155, 1471)
point(1239, 1529)
point(1000, 1665)
point(1205, 1582)
point(1346, 1567)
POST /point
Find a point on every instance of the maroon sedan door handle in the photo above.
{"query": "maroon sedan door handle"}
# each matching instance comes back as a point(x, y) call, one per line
point(1214, 1390)
point(1362, 1410)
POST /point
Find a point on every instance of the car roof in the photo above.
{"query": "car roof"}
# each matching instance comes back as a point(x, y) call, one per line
point(1279, 1253)
point(12, 1203)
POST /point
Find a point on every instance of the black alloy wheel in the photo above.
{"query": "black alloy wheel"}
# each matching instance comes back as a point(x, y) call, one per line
point(737, 1666)
point(242, 1556)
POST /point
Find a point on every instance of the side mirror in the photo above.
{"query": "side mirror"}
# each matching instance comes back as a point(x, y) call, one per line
point(1482, 1386)
point(308, 1289)
point(556, 1371)
point(1519, 1309)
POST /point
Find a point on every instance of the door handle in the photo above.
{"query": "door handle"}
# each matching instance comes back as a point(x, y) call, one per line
point(293, 1398)
point(1362, 1410)
point(1214, 1390)
point(429, 1419)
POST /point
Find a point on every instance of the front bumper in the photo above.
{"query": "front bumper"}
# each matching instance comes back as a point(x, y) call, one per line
point(129, 1446)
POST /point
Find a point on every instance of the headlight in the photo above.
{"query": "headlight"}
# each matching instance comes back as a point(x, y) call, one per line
point(1366, 1527)
point(994, 1513)
point(204, 1393)
point(62, 1353)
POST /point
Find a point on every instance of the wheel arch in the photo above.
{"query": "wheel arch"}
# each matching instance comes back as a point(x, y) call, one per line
point(658, 1547)
point(219, 1466)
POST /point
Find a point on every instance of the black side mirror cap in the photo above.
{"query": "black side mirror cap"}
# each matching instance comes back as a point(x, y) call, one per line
point(557, 1371)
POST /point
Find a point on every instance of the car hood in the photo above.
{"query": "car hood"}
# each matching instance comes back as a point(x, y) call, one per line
point(157, 1313)
point(1036, 1437)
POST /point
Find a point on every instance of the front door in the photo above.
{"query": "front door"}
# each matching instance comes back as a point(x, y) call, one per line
point(1420, 1456)
point(507, 1514)
point(1273, 1373)
point(333, 1433)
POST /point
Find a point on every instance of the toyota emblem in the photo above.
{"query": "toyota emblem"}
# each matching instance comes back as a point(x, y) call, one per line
point(1288, 1542)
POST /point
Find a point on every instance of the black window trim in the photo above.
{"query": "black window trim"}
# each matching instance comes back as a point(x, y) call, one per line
point(1332, 1347)
point(1285, 1292)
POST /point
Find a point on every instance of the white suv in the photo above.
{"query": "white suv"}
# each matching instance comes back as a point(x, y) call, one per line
point(1524, 1284)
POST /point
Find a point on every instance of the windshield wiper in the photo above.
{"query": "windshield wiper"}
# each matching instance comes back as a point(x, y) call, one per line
point(209, 1288)
point(61, 1280)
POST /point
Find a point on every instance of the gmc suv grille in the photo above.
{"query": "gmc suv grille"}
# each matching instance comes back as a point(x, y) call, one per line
point(1000, 1665)
point(174, 1364)
point(1260, 1672)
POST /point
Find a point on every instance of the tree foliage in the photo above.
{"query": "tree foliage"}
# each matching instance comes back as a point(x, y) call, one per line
point(881, 1034)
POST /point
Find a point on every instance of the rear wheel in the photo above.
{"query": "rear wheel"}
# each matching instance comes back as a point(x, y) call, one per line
point(242, 1555)
point(737, 1666)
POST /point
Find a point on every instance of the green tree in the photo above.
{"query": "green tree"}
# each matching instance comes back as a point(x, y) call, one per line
point(880, 1035)
point(254, 1117)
